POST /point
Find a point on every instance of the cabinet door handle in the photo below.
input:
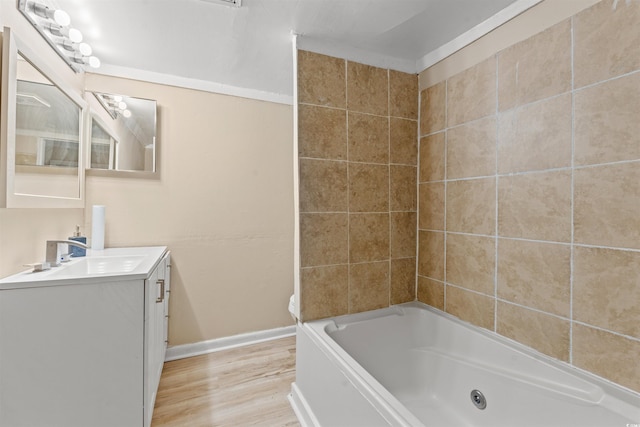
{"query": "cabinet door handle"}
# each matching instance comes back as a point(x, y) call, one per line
point(161, 297)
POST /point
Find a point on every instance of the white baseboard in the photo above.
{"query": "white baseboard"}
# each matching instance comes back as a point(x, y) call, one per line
point(225, 343)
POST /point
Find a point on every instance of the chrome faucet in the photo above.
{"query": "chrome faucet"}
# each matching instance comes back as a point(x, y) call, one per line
point(52, 250)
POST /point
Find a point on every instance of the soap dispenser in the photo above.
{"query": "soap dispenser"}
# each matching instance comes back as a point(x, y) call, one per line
point(76, 251)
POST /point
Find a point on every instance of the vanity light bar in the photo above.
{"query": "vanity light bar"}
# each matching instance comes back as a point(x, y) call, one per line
point(53, 26)
point(113, 104)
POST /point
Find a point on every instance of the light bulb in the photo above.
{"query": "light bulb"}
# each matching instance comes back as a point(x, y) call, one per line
point(94, 62)
point(122, 105)
point(85, 49)
point(74, 35)
point(61, 17)
point(126, 113)
point(117, 98)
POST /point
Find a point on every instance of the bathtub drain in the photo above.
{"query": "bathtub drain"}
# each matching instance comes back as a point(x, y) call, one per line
point(478, 399)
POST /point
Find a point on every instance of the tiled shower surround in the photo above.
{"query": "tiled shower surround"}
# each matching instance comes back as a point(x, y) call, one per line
point(357, 139)
point(528, 197)
point(529, 192)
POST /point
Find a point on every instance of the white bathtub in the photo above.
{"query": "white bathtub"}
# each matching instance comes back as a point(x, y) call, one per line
point(411, 365)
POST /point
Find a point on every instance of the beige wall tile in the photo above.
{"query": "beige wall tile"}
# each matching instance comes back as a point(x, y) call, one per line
point(403, 95)
point(368, 237)
point(403, 188)
point(323, 239)
point(608, 355)
point(322, 132)
point(433, 103)
point(535, 206)
point(368, 138)
point(607, 205)
point(368, 286)
point(324, 291)
point(431, 212)
point(403, 234)
point(431, 292)
point(471, 262)
point(403, 280)
point(536, 136)
point(432, 151)
point(605, 289)
point(431, 254)
point(471, 206)
point(471, 94)
point(371, 139)
point(607, 43)
point(535, 274)
point(536, 68)
point(323, 186)
point(471, 149)
point(368, 188)
point(470, 307)
point(367, 89)
point(403, 141)
point(321, 80)
point(607, 128)
point(545, 333)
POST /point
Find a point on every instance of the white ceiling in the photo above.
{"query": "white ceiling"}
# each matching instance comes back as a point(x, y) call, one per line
point(251, 46)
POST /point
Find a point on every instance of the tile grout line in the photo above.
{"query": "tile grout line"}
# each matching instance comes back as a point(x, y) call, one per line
point(444, 226)
point(389, 181)
point(572, 201)
point(521, 239)
point(539, 171)
point(417, 189)
point(346, 104)
point(495, 265)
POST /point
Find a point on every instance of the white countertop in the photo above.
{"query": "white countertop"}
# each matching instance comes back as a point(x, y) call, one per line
point(111, 264)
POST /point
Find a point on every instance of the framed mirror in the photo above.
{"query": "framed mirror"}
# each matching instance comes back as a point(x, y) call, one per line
point(122, 135)
point(41, 137)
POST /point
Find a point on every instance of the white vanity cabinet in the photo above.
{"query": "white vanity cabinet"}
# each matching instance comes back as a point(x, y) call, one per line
point(157, 291)
point(84, 351)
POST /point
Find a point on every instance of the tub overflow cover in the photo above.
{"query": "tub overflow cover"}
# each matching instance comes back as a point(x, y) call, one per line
point(478, 399)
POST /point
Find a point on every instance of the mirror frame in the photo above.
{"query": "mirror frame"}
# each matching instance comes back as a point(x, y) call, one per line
point(115, 172)
point(11, 46)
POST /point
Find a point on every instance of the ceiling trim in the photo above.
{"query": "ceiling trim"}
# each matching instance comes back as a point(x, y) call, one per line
point(474, 34)
point(189, 83)
point(351, 53)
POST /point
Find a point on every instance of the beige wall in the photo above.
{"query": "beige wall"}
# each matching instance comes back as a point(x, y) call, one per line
point(357, 128)
point(530, 191)
point(223, 205)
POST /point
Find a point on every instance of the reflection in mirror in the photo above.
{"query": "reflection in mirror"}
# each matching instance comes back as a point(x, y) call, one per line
point(47, 142)
point(123, 133)
point(102, 147)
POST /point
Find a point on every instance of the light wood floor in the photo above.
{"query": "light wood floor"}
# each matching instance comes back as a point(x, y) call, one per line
point(237, 387)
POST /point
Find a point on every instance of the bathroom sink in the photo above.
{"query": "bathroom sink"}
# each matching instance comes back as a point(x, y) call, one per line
point(111, 264)
point(101, 265)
